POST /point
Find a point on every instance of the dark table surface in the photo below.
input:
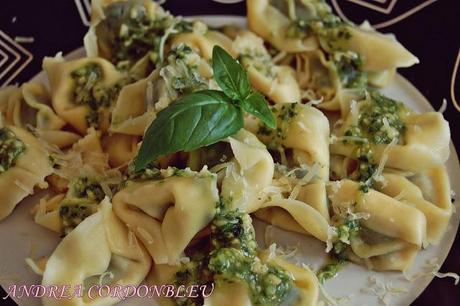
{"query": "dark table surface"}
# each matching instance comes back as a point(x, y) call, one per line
point(430, 29)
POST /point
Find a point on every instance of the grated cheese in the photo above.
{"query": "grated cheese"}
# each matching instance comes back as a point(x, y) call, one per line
point(103, 275)
point(33, 265)
point(432, 267)
point(383, 291)
point(331, 235)
point(443, 107)
point(279, 57)
point(377, 175)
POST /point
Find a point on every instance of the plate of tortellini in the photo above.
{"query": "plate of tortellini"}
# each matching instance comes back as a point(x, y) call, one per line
point(272, 159)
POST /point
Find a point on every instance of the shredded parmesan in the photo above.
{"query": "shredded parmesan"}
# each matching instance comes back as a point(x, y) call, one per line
point(331, 236)
point(382, 290)
point(33, 265)
point(326, 298)
point(431, 268)
point(279, 57)
point(443, 107)
point(377, 175)
point(103, 276)
point(164, 38)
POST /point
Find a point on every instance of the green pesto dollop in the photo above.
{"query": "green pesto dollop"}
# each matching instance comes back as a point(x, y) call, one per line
point(11, 148)
point(81, 201)
point(349, 69)
point(317, 19)
point(132, 32)
point(380, 121)
point(233, 258)
point(268, 284)
point(73, 211)
point(329, 270)
point(86, 188)
point(234, 230)
point(90, 91)
point(346, 229)
point(272, 138)
point(180, 72)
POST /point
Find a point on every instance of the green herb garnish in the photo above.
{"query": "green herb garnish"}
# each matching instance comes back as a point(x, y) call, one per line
point(11, 148)
point(329, 271)
point(205, 117)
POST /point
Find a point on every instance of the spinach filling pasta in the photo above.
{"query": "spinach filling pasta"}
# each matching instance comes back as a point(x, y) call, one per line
point(161, 147)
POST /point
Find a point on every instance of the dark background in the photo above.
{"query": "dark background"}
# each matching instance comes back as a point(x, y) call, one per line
point(432, 33)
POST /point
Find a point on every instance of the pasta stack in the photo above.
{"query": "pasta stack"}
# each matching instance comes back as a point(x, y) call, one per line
point(346, 164)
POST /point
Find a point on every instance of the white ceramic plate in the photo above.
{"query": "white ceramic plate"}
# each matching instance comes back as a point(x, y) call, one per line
point(20, 237)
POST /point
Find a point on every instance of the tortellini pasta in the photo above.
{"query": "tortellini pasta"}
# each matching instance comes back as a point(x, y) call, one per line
point(183, 72)
point(100, 251)
point(302, 129)
point(305, 292)
point(383, 232)
point(24, 165)
point(29, 106)
point(345, 165)
point(128, 33)
point(83, 90)
point(275, 81)
point(202, 40)
point(248, 173)
point(420, 141)
point(352, 55)
point(295, 26)
point(273, 25)
point(429, 192)
point(167, 229)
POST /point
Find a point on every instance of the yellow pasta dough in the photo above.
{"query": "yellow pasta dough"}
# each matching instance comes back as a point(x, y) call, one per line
point(26, 171)
point(100, 251)
point(167, 229)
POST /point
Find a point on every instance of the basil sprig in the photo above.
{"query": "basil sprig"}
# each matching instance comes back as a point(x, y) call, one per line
point(205, 117)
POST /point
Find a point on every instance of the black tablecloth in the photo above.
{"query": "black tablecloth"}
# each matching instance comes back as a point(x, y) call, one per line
point(430, 29)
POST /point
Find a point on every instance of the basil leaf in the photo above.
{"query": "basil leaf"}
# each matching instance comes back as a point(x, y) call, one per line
point(256, 105)
point(194, 121)
point(230, 75)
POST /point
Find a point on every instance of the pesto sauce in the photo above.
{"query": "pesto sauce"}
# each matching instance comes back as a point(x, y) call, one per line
point(81, 201)
point(284, 115)
point(181, 71)
point(74, 211)
point(349, 68)
point(134, 33)
point(268, 284)
point(11, 148)
point(346, 229)
point(91, 92)
point(379, 122)
point(86, 188)
point(321, 22)
point(234, 230)
point(233, 258)
point(329, 270)
point(332, 32)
